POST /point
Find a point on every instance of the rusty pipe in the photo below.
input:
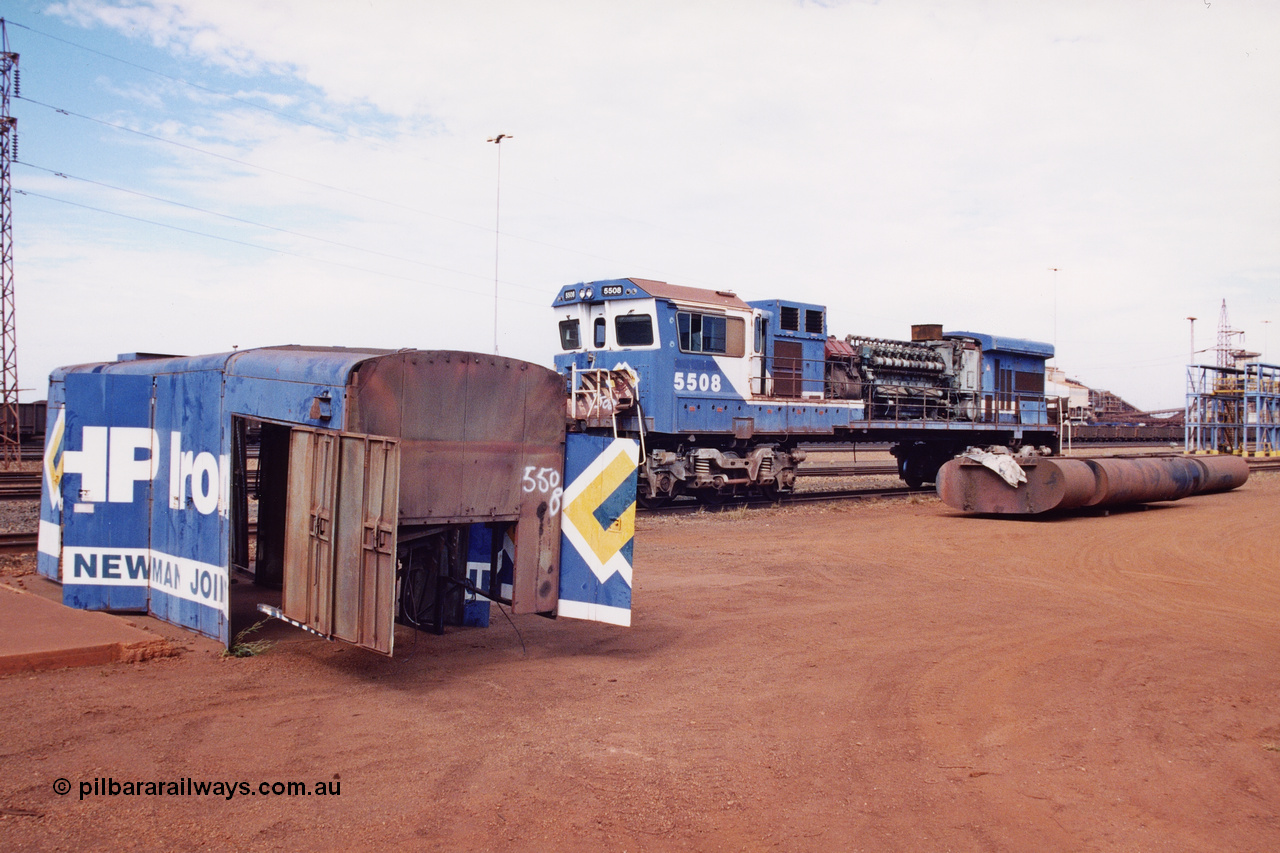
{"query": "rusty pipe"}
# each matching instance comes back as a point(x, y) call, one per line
point(1222, 473)
point(1063, 484)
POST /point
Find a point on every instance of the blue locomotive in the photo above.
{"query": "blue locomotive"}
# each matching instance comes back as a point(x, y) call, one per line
point(722, 392)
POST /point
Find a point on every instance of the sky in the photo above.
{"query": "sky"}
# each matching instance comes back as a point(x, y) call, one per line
point(199, 175)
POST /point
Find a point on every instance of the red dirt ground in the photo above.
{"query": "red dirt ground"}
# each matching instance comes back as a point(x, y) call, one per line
point(844, 677)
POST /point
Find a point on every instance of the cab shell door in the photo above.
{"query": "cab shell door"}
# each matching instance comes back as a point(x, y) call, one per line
point(106, 491)
point(340, 536)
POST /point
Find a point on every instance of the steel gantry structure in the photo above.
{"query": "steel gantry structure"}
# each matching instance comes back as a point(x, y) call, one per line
point(11, 451)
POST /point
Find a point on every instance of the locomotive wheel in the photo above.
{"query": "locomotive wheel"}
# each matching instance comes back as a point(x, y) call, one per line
point(773, 492)
point(711, 497)
point(912, 472)
point(655, 502)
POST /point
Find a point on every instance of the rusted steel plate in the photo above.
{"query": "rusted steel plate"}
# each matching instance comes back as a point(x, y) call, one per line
point(1063, 484)
point(1057, 484)
point(1222, 473)
point(481, 440)
point(1124, 481)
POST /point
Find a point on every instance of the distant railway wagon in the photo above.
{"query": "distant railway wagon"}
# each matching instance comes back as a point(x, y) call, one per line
point(721, 391)
point(1127, 432)
point(31, 420)
point(391, 486)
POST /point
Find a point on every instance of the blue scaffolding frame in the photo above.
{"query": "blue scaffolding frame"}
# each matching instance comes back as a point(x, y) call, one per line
point(1233, 409)
point(1262, 409)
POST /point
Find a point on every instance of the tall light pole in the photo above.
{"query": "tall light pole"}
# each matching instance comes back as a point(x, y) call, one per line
point(497, 235)
point(1055, 270)
point(1192, 358)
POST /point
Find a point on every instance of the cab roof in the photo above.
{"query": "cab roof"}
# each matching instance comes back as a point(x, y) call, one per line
point(644, 288)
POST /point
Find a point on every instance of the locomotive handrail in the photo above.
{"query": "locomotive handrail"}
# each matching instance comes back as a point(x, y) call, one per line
point(1012, 408)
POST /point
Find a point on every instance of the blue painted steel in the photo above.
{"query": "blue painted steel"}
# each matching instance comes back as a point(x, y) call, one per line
point(49, 547)
point(135, 513)
point(475, 608)
point(598, 528)
point(1012, 346)
point(691, 394)
point(190, 517)
point(108, 454)
point(137, 509)
point(811, 344)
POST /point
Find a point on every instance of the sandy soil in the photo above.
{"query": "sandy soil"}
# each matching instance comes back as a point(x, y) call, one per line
point(885, 676)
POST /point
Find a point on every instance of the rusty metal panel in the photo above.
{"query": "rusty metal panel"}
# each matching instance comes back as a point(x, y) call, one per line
point(788, 368)
point(1058, 484)
point(365, 541)
point(340, 536)
point(481, 440)
point(1222, 473)
point(540, 481)
point(308, 548)
point(1063, 484)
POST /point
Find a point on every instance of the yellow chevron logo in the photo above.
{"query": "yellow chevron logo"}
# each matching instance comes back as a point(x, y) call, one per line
point(53, 458)
point(606, 536)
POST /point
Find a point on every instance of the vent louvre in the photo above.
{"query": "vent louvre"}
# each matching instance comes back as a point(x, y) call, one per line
point(790, 320)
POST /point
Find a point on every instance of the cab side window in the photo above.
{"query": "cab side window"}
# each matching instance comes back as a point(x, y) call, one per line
point(633, 330)
point(714, 334)
point(569, 335)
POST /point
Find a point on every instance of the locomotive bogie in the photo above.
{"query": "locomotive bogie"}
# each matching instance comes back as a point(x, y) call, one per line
point(710, 471)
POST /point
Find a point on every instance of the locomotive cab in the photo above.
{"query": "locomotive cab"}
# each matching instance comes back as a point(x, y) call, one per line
point(683, 347)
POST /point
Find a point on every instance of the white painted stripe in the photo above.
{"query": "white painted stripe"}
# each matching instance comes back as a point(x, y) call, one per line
point(475, 576)
point(52, 470)
point(616, 447)
point(190, 580)
point(737, 371)
point(594, 612)
point(98, 566)
point(618, 562)
point(180, 577)
point(49, 541)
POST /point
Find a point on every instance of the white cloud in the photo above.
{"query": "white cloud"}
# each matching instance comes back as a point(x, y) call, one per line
point(900, 162)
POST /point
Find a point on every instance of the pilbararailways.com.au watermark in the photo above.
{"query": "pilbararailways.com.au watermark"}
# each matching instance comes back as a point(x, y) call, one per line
point(188, 787)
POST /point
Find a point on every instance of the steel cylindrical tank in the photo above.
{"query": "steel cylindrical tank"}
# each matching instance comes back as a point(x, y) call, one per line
point(1061, 484)
point(1222, 473)
point(1051, 484)
point(1129, 480)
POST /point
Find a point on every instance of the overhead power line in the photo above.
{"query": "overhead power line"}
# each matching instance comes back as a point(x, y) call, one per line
point(314, 183)
point(276, 228)
point(261, 247)
point(376, 144)
point(211, 91)
point(259, 167)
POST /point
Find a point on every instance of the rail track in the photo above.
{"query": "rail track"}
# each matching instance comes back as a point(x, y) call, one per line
point(856, 469)
point(17, 543)
point(25, 485)
point(18, 485)
point(748, 502)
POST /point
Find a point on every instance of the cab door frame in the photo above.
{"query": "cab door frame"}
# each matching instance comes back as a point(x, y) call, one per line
point(340, 537)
